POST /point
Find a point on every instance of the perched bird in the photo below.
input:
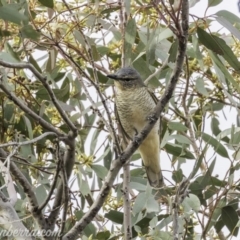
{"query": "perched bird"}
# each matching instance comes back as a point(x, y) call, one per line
point(134, 103)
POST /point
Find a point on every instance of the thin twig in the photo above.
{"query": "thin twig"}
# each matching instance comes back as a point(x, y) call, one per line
point(55, 178)
point(19, 144)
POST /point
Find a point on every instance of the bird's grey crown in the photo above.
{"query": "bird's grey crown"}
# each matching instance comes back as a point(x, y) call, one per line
point(128, 72)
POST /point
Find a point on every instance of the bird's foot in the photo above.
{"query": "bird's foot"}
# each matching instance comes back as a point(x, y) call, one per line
point(151, 118)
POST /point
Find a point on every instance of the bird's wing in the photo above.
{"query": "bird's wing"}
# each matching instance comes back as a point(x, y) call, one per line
point(155, 99)
point(121, 130)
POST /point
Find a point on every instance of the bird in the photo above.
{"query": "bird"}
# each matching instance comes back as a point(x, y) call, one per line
point(134, 103)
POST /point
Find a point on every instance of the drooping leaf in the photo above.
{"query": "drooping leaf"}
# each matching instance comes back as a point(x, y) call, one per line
point(212, 3)
point(201, 88)
point(115, 216)
point(47, 3)
point(177, 176)
point(232, 18)
point(178, 151)
point(230, 219)
point(178, 126)
point(130, 32)
point(28, 31)
point(11, 14)
point(218, 147)
point(101, 171)
point(191, 202)
point(208, 41)
point(218, 46)
point(224, 22)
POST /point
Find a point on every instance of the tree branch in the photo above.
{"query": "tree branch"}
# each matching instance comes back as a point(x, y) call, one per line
point(69, 160)
point(46, 85)
point(31, 113)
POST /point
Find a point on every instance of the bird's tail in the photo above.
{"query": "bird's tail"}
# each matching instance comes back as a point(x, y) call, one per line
point(155, 178)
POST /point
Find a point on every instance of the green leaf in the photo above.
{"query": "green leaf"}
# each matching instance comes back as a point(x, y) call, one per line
point(9, 13)
point(59, 93)
point(5, 33)
point(201, 88)
point(173, 52)
point(47, 3)
point(216, 213)
point(8, 58)
point(29, 126)
point(102, 50)
point(206, 180)
point(208, 41)
point(94, 140)
point(101, 171)
point(218, 147)
point(41, 193)
point(139, 203)
point(223, 70)
point(28, 31)
point(115, 216)
point(197, 52)
point(177, 176)
point(218, 46)
point(178, 151)
point(103, 235)
point(232, 18)
point(177, 126)
point(180, 139)
point(191, 202)
point(212, 3)
point(34, 63)
point(152, 205)
point(215, 126)
point(192, 3)
point(199, 161)
point(230, 219)
point(225, 23)
point(131, 30)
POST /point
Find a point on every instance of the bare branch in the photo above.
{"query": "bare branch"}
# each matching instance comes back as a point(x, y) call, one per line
point(55, 178)
point(127, 203)
point(69, 160)
point(127, 220)
point(19, 144)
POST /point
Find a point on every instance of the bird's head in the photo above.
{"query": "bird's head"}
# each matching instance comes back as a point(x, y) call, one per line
point(127, 77)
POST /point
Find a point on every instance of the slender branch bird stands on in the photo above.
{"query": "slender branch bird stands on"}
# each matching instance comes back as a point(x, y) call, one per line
point(134, 105)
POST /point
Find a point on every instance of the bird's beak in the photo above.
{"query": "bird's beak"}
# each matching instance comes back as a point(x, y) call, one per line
point(113, 76)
